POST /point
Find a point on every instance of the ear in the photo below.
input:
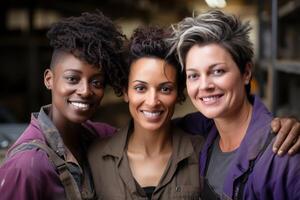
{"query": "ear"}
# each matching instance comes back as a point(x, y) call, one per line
point(248, 73)
point(125, 95)
point(48, 79)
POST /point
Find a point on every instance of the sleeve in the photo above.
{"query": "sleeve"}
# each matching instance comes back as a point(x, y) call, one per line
point(28, 175)
point(194, 123)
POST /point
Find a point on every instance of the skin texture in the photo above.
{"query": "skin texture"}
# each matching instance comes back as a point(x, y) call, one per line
point(151, 89)
point(215, 84)
point(217, 89)
point(77, 90)
point(73, 81)
point(287, 129)
point(287, 139)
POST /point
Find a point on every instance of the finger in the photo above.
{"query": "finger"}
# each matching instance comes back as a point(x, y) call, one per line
point(290, 140)
point(296, 147)
point(275, 124)
point(283, 132)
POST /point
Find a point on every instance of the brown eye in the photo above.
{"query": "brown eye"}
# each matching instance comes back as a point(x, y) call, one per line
point(98, 83)
point(218, 72)
point(71, 79)
point(192, 76)
point(166, 89)
point(140, 88)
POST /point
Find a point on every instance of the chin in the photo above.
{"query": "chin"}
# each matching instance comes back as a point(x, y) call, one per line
point(210, 114)
point(79, 119)
point(152, 127)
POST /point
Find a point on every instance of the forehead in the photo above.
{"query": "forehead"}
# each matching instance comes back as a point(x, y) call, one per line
point(67, 61)
point(208, 54)
point(152, 69)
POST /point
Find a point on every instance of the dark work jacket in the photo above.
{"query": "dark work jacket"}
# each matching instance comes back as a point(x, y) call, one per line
point(272, 177)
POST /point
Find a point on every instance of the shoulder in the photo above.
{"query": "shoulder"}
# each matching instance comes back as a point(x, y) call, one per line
point(285, 167)
point(276, 175)
point(102, 129)
point(99, 145)
point(103, 146)
point(194, 123)
point(28, 162)
point(27, 172)
point(196, 141)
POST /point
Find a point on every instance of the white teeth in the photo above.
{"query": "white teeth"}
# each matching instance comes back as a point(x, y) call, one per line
point(151, 114)
point(210, 98)
point(83, 106)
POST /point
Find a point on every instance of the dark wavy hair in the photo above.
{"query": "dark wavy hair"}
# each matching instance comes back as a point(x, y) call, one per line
point(151, 41)
point(93, 38)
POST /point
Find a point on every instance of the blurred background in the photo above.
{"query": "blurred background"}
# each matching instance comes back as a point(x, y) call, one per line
point(25, 53)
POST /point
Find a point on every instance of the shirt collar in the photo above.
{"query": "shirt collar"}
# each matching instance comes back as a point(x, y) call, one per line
point(50, 132)
point(182, 145)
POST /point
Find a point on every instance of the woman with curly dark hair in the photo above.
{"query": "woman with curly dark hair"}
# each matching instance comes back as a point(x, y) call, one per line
point(48, 161)
point(151, 158)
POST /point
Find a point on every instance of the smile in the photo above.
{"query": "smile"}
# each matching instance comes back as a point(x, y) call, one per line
point(211, 99)
point(80, 105)
point(152, 114)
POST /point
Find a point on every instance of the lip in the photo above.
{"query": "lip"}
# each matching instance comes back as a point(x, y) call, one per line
point(80, 105)
point(211, 99)
point(152, 115)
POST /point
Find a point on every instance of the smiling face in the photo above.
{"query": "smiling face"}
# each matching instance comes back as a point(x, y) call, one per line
point(77, 89)
point(214, 81)
point(151, 93)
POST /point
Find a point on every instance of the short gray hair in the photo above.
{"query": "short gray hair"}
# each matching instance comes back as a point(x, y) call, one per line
point(214, 27)
point(217, 27)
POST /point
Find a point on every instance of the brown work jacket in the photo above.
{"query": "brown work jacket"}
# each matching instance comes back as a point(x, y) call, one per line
point(114, 180)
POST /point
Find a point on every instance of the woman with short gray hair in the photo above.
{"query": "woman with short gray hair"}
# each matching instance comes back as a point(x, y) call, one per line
point(237, 161)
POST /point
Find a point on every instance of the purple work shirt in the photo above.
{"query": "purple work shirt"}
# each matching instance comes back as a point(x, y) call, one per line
point(29, 174)
point(273, 177)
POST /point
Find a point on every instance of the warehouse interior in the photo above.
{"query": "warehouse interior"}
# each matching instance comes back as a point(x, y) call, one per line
point(25, 52)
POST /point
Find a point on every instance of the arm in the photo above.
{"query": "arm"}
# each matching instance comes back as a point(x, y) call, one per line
point(29, 175)
point(194, 123)
point(288, 130)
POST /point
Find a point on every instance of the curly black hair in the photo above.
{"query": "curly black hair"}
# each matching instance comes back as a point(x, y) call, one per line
point(93, 38)
point(151, 41)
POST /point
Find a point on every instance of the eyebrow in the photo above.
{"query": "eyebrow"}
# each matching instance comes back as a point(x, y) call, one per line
point(139, 81)
point(167, 82)
point(209, 67)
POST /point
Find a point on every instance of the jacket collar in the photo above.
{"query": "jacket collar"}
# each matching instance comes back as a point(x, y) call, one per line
point(50, 132)
point(52, 135)
point(252, 144)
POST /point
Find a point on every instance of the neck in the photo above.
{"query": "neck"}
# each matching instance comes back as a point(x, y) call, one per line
point(232, 129)
point(150, 143)
point(69, 132)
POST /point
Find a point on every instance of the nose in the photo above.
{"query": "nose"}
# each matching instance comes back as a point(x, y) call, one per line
point(152, 99)
point(84, 89)
point(206, 83)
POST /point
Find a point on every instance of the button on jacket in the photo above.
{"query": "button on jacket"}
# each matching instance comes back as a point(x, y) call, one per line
point(113, 178)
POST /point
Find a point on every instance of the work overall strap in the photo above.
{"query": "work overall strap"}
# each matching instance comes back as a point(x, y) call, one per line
point(66, 178)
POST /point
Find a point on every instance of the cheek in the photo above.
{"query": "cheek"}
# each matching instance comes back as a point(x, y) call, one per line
point(134, 100)
point(232, 84)
point(191, 89)
point(99, 93)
